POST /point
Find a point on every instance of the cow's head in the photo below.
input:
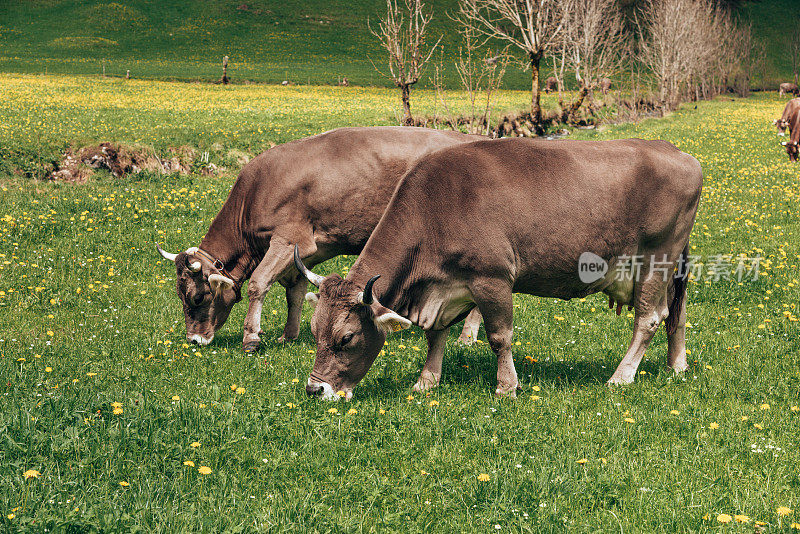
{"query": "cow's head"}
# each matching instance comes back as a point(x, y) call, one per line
point(207, 295)
point(350, 327)
point(791, 149)
point(781, 124)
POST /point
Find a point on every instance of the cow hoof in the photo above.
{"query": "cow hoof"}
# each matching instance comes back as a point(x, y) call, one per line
point(619, 381)
point(285, 339)
point(507, 391)
point(465, 340)
point(425, 384)
point(680, 367)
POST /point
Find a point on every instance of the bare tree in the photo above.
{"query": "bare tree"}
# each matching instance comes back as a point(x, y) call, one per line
point(593, 41)
point(794, 49)
point(531, 26)
point(480, 77)
point(402, 34)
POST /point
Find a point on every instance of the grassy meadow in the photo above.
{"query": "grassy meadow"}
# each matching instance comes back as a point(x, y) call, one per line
point(110, 422)
point(308, 41)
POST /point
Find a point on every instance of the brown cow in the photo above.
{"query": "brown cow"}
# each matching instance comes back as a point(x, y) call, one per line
point(791, 109)
point(325, 192)
point(543, 210)
point(788, 89)
point(605, 85)
point(792, 146)
point(550, 84)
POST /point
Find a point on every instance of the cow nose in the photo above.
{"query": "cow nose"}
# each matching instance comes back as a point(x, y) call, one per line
point(313, 390)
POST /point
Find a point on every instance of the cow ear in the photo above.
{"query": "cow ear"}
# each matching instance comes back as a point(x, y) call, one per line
point(388, 321)
point(219, 283)
point(312, 299)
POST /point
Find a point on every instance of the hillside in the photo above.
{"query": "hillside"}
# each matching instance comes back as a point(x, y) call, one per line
point(312, 41)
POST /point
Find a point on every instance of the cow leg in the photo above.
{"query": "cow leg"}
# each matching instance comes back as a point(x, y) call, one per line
point(650, 309)
point(278, 258)
point(676, 344)
point(495, 301)
point(472, 325)
point(295, 295)
point(432, 370)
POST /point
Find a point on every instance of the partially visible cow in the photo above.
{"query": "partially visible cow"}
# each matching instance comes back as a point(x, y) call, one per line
point(605, 85)
point(473, 224)
point(550, 84)
point(325, 192)
point(788, 89)
point(791, 109)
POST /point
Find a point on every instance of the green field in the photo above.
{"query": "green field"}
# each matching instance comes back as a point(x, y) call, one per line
point(89, 318)
point(309, 41)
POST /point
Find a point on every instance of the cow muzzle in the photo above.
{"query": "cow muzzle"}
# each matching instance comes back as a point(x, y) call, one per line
point(324, 391)
point(200, 340)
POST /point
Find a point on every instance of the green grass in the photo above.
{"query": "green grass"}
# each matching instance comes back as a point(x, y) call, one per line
point(82, 292)
point(310, 41)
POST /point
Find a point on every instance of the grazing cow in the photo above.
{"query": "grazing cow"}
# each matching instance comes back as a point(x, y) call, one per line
point(325, 192)
point(792, 146)
point(788, 89)
point(791, 109)
point(605, 85)
point(542, 209)
point(550, 84)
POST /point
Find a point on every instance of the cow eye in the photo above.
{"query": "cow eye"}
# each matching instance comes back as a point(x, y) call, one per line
point(347, 339)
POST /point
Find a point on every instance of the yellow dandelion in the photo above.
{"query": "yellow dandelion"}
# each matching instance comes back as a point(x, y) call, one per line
point(31, 473)
point(333, 410)
point(341, 393)
point(674, 412)
point(195, 444)
point(630, 420)
point(233, 387)
point(295, 380)
point(758, 427)
point(124, 484)
point(202, 405)
point(536, 388)
point(724, 518)
point(795, 526)
point(795, 408)
point(11, 516)
point(745, 418)
point(240, 391)
point(410, 397)
point(117, 411)
point(204, 470)
point(116, 404)
point(433, 403)
point(352, 411)
point(582, 461)
point(484, 477)
point(91, 374)
point(188, 463)
point(764, 406)
point(176, 398)
point(741, 518)
point(381, 411)
point(423, 472)
point(713, 426)
point(48, 369)
point(783, 511)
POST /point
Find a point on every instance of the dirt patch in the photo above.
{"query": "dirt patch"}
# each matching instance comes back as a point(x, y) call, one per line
point(121, 160)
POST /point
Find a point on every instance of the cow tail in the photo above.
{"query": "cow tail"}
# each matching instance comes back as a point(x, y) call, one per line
point(679, 282)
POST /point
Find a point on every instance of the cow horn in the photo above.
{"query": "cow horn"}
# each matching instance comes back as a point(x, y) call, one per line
point(166, 255)
point(366, 297)
point(311, 277)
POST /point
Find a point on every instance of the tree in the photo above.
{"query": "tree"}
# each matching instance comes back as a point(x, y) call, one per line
point(402, 34)
point(592, 44)
point(531, 26)
point(480, 77)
